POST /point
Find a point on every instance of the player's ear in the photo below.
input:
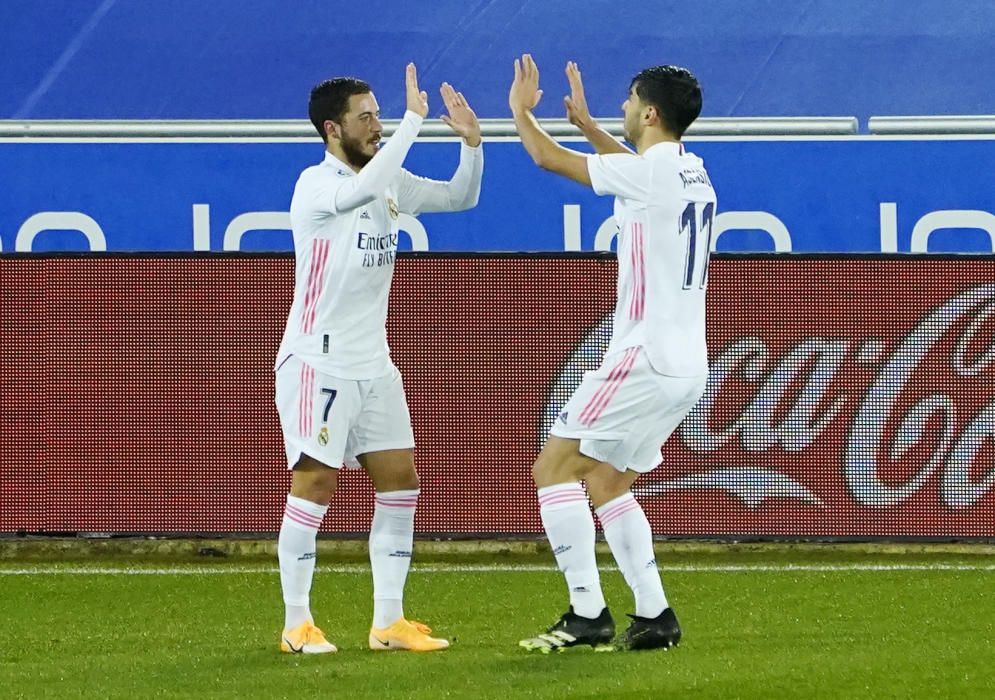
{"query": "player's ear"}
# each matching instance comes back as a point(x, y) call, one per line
point(650, 115)
point(332, 129)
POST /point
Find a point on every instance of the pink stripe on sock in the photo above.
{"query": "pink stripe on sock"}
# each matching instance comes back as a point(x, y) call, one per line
point(557, 498)
point(303, 512)
point(569, 488)
point(616, 514)
point(626, 500)
point(305, 523)
point(303, 516)
point(397, 504)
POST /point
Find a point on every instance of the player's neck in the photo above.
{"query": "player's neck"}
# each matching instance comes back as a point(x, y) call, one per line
point(651, 137)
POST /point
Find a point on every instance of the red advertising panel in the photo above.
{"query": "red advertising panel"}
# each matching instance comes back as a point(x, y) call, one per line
point(849, 397)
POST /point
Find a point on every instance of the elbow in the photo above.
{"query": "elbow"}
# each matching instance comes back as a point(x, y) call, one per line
point(474, 198)
point(468, 202)
point(549, 161)
point(537, 154)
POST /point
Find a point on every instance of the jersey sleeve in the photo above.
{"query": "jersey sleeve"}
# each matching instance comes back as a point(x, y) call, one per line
point(620, 174)
point(374, 178)
point(419, 194)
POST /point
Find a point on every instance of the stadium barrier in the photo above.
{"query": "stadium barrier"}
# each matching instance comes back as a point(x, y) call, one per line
point(431, 129)
point(226, 186)
point(850, 396)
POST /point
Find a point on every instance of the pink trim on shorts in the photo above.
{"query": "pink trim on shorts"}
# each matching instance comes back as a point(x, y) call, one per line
point(319, 257)
point(596, 406)
point(306, 402)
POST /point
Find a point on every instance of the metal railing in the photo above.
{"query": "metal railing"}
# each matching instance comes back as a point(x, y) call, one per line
point(981, 125)
point(432, 128)
point(978, 124)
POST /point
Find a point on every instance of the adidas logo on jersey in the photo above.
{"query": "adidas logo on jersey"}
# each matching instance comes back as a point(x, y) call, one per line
point(563, 417)
point(364, 215)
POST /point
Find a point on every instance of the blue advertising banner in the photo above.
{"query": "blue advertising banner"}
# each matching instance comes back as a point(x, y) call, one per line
point(857, 194)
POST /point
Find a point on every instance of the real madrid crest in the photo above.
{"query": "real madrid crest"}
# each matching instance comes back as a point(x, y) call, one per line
point(392, 208)
point(323, 436)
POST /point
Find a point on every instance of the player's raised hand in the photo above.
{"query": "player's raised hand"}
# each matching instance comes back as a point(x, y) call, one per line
point(576, 103)
point(417, 100)
point(461, 117)
point(525, 93)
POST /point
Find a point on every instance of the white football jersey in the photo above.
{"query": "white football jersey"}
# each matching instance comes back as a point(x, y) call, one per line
point(345, 228)
point(664, 207)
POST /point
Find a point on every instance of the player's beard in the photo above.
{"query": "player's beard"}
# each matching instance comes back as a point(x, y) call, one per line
point(353, 149)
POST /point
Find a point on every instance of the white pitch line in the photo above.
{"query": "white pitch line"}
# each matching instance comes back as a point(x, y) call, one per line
point(485, 568)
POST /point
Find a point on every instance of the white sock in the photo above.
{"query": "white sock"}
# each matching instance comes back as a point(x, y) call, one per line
point(296, 550)
point(629, 536)
point(391, 537)
point(569, 526)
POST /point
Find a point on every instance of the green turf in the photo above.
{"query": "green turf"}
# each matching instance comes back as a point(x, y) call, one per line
point(749, 634)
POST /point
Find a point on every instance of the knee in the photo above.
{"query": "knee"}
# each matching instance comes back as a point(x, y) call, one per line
point(396, 480)
point(603, 488)
point(315, 486)
point(602, 493)
point(549, 472)
point(543, 472)
point(537, 472)
point(409, 482)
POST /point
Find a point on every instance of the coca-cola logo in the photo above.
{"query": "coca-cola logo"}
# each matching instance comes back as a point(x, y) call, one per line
point(905, 410)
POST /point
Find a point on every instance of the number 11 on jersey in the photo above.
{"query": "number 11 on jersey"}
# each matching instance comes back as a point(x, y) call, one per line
point(689, 224)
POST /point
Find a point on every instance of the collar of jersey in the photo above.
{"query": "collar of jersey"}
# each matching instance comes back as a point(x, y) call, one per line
point(333, 161)
point(664, 147)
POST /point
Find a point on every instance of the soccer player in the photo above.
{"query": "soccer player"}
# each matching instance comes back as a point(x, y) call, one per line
point(656, 365)
point(339, 395)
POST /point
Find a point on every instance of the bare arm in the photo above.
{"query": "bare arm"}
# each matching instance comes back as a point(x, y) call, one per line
point(580, 116)
point(545, 152)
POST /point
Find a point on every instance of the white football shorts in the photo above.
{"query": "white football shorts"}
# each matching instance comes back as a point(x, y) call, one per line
point(333, 419)
point(624, 411)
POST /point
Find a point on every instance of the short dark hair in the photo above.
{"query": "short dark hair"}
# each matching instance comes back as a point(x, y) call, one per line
point(675, 93)
point(330, 100)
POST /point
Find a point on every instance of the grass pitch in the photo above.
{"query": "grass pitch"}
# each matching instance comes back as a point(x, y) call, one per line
point(780, 623)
